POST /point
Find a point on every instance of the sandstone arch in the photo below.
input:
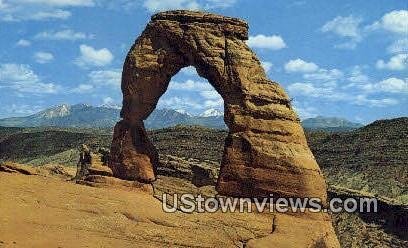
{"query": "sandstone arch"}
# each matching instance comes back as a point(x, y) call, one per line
point(266, 150)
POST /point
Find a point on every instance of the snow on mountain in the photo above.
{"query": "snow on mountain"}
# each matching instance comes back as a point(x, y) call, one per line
point(110, 106)
point(211, 113)
point(82, 115)
point(321, 122)
point(182, 111)
point(58, 111)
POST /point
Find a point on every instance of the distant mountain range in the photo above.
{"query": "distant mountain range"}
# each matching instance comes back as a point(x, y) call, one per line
point(79, 115)
point(329, 124)
point(105, 116)
point(161, 118)
point(86, 116)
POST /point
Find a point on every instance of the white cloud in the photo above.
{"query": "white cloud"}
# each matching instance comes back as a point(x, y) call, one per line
point(189, 70)
point(160, 5)
point(308, 89)
point(108, 100)
point(3, 5)
point(325, 84)
point(57, 3)
point(179, 103)
point(187, 103)
point(216, 103)
point(346, 27)
point(19, 110)
point(343, 26)
point(312, 71)
point(106, 78)
point(357, 76)
point(362, 100)
point(396, 63)
point(54, 14)
point(312, 90)
point(22, 79)
point(393, 85)
point(305, 111)
point(43, 57)
point(324, 75)
point(324, 80)
point(395, 21)
point(93, 57)
point(190, 85)
point(121, 5)
point(211, 97)
point(66, 34)
point(83, 88)
point(210, 94)
point(19, 10)
point(23, 14)
point(267, 66)
point(99, 79)
point(398, 46)
point(333, 94)
point(299, 65)
point(273, 42)
point(16, 72)
point(348, 45)
point(360, 81)
point(23, 43)
point(213, 4)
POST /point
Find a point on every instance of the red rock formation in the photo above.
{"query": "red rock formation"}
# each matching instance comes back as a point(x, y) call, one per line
point(266, 150)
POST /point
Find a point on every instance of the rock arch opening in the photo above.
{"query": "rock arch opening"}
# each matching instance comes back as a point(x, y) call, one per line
point(265, 151)
point(188, 129)
point(189, 100)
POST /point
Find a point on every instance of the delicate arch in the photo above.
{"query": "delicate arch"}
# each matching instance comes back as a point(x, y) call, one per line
point(265, 151)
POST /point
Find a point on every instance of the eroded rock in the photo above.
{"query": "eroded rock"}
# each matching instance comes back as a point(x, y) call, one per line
point(266, 150)
point(200, 173)
point(100, 181)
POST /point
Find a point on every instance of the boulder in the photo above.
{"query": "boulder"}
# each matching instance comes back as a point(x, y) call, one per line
point(97, 166)
point(203, 175)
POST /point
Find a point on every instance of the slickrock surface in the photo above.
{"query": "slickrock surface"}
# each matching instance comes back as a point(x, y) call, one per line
point(265, 151)
point(46, 211)
point(45, 170)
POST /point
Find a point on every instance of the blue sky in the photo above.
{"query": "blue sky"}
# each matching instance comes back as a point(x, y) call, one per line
point(334, 58)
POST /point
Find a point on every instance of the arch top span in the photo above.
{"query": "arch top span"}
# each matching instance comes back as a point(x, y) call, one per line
point(230, 25)
point(266, 150)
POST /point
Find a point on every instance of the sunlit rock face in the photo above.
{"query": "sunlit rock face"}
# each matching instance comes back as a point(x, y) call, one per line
point(265, 152)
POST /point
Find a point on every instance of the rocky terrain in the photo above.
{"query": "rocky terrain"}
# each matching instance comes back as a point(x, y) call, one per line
point(41, 204)
point(372, 159)
point(190, 159)
point(387, 228)
point(116, 197)
point(39, 146)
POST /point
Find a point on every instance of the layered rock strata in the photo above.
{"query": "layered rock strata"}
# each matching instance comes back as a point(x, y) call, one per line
point(266, 150)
